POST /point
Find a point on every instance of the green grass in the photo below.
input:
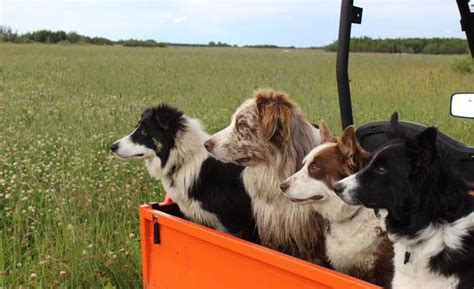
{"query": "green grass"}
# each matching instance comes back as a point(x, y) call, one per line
point(67, 207)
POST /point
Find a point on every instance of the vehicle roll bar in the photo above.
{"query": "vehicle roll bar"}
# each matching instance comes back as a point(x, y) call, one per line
point(349, 14)
point(467, 22)
point(352, 14)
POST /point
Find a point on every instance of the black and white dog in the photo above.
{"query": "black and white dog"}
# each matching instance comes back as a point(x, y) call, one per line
point(206, 190)
point(430, 213)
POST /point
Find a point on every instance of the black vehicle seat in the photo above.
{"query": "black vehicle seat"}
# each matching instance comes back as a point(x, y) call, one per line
point(373, 135)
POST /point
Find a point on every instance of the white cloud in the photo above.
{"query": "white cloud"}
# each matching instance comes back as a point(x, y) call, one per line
point(179, 19)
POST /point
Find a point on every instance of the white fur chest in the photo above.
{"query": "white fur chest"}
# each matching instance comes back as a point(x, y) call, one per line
point(416, 272)
point(352, 244)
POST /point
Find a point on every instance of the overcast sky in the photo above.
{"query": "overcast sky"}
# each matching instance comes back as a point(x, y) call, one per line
point(282, 22)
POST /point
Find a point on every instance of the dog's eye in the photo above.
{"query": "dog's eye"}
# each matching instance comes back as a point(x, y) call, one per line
point(142, 131)
point(380, 170)
point(313, 169)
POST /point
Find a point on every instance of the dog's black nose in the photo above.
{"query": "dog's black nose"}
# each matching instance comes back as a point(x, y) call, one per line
point(284, 186)
point(209, 145)
point(338, 188)
point(114, 147)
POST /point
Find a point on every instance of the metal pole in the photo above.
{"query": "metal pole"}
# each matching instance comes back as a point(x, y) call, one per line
point(467, 22)
point(342, 63)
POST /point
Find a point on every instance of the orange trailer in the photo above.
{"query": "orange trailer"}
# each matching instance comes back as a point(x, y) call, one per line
point(183, 255)
point(180, 254)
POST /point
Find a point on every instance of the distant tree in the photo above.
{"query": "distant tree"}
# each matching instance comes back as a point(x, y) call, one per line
point(7, 34)
point(23, 39)
point(141, 43)
point(57, 36)
point(100, 41)
point(38, 36)
point(73, 37)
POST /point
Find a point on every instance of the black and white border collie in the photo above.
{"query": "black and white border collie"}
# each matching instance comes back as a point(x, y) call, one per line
point(206, 190)
point(430, 213)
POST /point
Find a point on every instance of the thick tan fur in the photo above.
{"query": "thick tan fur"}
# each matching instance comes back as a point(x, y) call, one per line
point(288, 137)
point(275, 113)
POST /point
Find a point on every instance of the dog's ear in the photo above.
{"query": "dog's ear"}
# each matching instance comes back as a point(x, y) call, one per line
point(163, 121)
point(347, 143)
point(326, 135)
point(427, 138)
point(394, 120)
point(394, 129)
point(275, 112)
point(426, 145)
point(356, 157)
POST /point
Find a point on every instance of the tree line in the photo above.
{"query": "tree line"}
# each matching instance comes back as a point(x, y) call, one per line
point(406, 45)
point(361, 44)
point(51, 37)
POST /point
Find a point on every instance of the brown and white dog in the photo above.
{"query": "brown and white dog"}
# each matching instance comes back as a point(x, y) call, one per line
point(356, 241)
point(269, 135)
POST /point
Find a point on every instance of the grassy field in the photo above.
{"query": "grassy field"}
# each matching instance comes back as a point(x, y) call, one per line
point(70, 212)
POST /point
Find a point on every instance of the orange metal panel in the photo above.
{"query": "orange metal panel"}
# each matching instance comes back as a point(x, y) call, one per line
point(190, 256)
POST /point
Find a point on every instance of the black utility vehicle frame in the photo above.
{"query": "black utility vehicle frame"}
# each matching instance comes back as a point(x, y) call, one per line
point(373, 135)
